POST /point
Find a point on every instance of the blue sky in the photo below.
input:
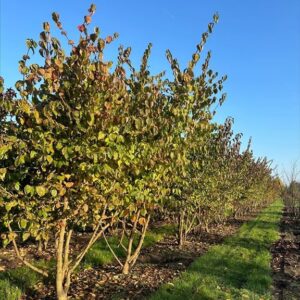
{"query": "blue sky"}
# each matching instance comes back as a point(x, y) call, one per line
point(256, 43)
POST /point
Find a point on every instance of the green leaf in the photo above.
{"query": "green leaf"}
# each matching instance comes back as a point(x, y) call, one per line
point(25, 236)
point(17, 186)
point(41, 191)
point(49, 158)
point(29, 190)
point(23, 223)
point(54, 193)
point(2, 173)
point(20, 160)
point(8, 206)
point(101, 135)
point(4, 149)
point(33, 154)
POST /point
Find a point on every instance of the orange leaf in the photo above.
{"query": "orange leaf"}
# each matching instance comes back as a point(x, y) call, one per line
point(108, 39)
point(69, 184)
point(87, 19)
point(142, 221)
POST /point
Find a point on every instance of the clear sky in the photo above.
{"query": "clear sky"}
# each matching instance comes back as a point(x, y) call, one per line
point(256, 43)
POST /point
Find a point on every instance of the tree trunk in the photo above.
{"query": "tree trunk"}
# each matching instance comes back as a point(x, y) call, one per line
point(61, 291)
point(40, 247)
point(132, 258)
point(126, 268)
point(181, 235)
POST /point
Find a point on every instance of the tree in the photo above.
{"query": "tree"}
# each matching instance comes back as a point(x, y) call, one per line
point(291, 193)
point(62, 167)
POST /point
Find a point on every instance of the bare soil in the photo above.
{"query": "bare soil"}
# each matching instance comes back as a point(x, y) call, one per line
point(286, 260)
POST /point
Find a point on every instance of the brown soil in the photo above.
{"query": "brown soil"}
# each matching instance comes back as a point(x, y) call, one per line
point(157, 265)
point(286, 260)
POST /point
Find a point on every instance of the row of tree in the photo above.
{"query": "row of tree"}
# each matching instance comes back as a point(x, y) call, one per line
point(85, 143)
point(291, 192)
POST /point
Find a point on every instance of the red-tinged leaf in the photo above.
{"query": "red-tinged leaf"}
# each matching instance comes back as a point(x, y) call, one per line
point(81, 27)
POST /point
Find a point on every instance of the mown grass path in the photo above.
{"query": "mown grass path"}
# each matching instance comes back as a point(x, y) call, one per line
point(237, 269)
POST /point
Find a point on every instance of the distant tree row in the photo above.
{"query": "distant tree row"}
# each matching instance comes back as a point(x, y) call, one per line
point(88, 143)
point(291, 192)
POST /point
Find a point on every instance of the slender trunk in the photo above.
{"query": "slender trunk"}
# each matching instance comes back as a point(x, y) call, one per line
point(132, 258)
point(181, 239)
point(126, 268)
point(206, 226)
point(60, 276)
point(141, 241)
point(46, 244)
point(40, 247)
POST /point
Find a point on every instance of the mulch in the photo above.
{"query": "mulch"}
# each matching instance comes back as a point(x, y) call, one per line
point(157, 265)
point(286, 260)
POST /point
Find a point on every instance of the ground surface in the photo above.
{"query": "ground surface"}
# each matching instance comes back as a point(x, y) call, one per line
point(286, 260)
point(239, 268)
point(159, 264)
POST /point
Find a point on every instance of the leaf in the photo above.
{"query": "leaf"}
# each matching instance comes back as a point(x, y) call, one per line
point(101, 135)
point(55, 17)
point(23, 223)
point(62, 191)
point(10, 205)
point(143, 212)
point(17, 186)
point(142, 221)
point(59, 146)
point(11, 236)
point(69, 184)
point(81, 27)
point(85, 207)
point(87, 19)
point(49, 159)
point(92, 8)
point(108, 39)
point(46, 26)
point(4, 149)
point(33, 154)
point(28, 189)
point(20, 160)
point(25, 236)
point(2, 173)
point(54, 193)
point(133, 218)
point(41, 191)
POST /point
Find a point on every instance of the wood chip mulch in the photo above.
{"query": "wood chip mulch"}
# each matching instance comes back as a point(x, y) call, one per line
point(157, 265)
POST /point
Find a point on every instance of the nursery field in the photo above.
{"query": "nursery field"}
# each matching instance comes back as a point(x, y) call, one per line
point(116, 183)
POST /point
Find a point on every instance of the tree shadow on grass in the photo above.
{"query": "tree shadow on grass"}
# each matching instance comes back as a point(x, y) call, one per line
point(237, 269)
point(16, 281)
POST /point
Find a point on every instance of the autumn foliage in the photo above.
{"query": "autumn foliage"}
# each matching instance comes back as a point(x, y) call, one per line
point(90, 143)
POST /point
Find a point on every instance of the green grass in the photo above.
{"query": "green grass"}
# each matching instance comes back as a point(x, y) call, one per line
point(237, 269)
point(14, 282)
point(100, 254)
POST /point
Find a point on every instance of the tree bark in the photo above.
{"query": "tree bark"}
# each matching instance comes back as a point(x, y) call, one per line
point(60, 276)
point(132, 258)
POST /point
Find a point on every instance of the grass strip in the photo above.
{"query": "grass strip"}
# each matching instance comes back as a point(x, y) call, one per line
point(100, 254)
point(237, 269)
point(14, 282)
